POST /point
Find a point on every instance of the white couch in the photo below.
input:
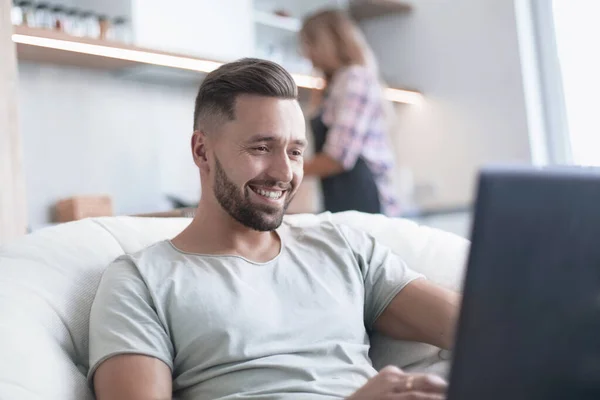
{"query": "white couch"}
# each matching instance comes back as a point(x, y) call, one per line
point(48, 280)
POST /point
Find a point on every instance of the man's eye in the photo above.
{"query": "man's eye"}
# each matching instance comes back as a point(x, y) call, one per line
point(297, 153)
point(262, 149)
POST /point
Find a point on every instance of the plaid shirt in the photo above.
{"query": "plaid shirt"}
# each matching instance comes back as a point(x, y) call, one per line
point(354, 113)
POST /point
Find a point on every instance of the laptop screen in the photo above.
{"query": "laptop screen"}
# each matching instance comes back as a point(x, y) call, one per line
point(530, 321)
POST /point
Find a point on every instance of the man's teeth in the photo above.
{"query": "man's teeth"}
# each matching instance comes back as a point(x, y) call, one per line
point(269, 193)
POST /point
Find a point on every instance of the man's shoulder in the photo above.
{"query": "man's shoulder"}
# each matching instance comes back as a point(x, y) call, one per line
point(141, 262)
point(322, 223)
point(158, 249)
point(324, 229)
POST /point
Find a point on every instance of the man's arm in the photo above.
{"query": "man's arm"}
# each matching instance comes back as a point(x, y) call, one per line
point(421, 312)
point(131, 352)
point(133, 377)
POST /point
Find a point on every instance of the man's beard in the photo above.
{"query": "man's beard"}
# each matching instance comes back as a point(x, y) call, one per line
point(240, 207)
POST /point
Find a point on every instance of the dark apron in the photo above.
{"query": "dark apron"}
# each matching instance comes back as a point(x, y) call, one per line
point(351, 190)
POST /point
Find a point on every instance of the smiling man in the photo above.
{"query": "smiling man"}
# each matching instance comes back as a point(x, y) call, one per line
point(243, 306)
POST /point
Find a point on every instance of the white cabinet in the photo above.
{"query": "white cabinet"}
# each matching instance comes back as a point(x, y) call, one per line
point(222, 30)
point(277, 36)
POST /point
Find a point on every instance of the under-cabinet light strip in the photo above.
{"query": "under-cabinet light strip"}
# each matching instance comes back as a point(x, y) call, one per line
point(182, 62)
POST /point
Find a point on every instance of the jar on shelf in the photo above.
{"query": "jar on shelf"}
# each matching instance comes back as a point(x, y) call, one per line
point(60, 16)
point(43, 16)
point(103, 27)
point(90, 27)
point(16, 13)
point(119, 30)
point(73, 23)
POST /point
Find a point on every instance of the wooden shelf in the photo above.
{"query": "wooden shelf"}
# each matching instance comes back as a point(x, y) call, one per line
point(275, 21)
point(47, 46)
point(367, 9)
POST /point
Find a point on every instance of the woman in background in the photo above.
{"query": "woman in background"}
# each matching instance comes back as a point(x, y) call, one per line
point(353, 158)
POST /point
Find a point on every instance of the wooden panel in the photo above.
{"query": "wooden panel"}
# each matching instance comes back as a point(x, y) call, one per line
point(68, 58)
point(13, 221)
point(42, 54)
point(365, 9)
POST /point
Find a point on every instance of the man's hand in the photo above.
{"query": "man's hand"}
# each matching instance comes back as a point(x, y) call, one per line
point(393, 384)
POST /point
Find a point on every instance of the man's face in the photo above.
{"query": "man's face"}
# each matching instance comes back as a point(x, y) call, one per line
point(258, 160)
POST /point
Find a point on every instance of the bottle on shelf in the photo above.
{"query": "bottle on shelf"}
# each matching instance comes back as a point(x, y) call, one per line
point(27, 13)
point(103, 27)
point(59, 16)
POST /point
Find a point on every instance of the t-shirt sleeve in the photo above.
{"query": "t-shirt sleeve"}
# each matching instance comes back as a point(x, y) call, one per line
point(384, 273)
point(124, 319)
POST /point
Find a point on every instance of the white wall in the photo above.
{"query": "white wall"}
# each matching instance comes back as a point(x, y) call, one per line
point(220, 30)
point(88, 132)
point(91, 132)
point(464, 56)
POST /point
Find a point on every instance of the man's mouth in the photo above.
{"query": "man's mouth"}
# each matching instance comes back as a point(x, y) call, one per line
point(272, 194)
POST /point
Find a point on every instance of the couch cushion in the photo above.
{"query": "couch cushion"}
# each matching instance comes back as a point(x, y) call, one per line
point(48, 281)
point(47, 284)
point(133, 233)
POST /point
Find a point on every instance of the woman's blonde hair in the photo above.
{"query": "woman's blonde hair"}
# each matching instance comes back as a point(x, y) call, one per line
point(350, 45)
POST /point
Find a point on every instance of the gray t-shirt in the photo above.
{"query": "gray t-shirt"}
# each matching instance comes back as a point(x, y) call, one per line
point(295, 327)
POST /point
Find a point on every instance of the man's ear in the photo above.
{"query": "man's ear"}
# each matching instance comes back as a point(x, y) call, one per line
point(200, 149)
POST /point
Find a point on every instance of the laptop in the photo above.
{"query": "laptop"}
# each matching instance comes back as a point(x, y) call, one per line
point(529, 326)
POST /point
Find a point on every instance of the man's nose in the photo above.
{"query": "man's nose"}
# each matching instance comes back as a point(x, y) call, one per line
point(281, 168)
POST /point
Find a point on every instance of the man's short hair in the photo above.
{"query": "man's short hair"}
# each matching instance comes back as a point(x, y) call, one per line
point(215, 102)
